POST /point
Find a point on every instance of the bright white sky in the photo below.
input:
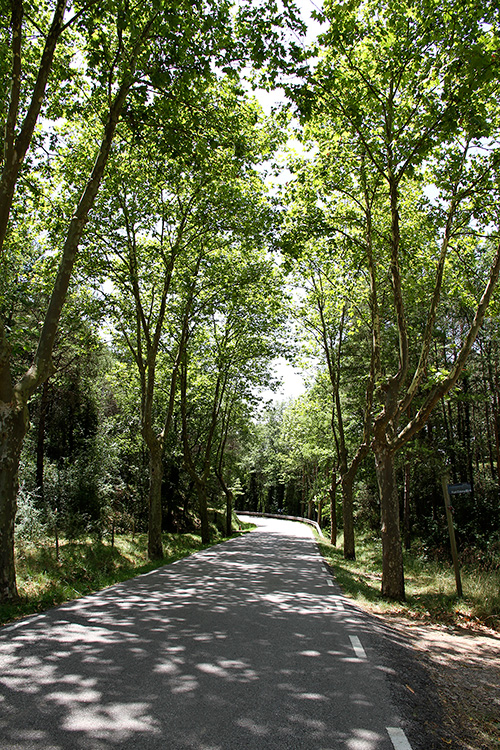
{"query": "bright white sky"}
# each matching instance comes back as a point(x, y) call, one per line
point(293, 382)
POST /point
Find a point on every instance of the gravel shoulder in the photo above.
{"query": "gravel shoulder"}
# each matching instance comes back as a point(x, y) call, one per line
point(453, 678)
point(463, 666)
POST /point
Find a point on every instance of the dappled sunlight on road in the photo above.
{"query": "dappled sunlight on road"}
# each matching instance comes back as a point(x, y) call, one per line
point(244, 645)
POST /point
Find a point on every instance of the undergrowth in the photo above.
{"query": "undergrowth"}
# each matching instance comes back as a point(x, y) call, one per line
point(430, 586)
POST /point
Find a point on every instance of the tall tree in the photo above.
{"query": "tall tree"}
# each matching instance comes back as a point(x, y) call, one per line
point(160, 224)
point(15, 395)
point(400, 85)
point(126, 52)
point(332, 310)
point(228, 355)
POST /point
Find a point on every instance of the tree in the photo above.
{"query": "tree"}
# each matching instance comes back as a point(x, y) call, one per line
point(159, 226)
point(397, 83)
point(330, 307)
point(307, 451)
point(228, 356)
point(126, 52)
point(15, 397)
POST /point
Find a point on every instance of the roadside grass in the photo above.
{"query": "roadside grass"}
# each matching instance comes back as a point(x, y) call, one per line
point(85, 566)
point(430, 586)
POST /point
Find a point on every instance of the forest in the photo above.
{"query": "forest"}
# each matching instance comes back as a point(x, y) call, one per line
point(164, 240)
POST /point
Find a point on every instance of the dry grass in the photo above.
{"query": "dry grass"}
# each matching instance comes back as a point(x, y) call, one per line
point(430, 586)
point(83, 567)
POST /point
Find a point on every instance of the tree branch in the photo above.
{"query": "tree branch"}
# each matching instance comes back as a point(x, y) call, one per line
point(445, 385)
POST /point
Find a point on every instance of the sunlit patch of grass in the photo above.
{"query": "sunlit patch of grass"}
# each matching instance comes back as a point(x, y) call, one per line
point(430, 586)
point(85, 566)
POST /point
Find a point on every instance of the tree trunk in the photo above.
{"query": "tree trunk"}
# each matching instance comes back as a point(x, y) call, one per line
point(333, 509)
point(451, 446)
point(468, 436)
point(496, 426)
point(229, 512)
point(40, 442)
point(56, 537)
point(392, 557)
point(406, 517)
point(489, 440)
point(347, 482)
point(155, 546)
point(203, 510)
point(13, 427)
point(229, 499)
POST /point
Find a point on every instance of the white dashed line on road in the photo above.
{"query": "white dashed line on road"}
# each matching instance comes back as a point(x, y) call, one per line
point(398, 738)
point(357, 647)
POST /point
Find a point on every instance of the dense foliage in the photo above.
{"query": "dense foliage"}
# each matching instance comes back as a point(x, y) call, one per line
point(151, 272)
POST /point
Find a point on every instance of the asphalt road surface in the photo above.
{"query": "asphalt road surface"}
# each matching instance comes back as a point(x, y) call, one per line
point(246, 645)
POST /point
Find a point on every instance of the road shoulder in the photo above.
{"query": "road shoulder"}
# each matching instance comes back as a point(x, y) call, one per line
point(464, 665)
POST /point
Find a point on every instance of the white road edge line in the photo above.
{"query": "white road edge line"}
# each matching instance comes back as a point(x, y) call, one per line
point(357, 647)
point(398, 738)
point(21, 623)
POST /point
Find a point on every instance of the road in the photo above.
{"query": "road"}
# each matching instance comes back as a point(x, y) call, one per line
point(245, 645)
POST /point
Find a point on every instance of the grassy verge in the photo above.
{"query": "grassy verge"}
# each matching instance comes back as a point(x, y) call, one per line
point(430, 587)
point(84, 567)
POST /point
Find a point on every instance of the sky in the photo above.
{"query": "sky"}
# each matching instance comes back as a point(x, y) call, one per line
point(293, 382)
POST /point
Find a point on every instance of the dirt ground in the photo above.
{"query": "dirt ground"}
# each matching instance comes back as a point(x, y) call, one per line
point(464, 665)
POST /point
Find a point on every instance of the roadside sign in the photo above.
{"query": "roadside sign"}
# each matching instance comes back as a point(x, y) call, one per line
point(459, 489)
point(447, 488)
point(451, 530)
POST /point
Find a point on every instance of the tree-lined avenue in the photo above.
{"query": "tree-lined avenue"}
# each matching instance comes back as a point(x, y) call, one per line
point(245, 645)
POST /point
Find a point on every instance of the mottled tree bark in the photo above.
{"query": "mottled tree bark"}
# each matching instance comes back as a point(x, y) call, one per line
point(13, 427)
point(333, 509)
point(347, 482)
point(229, 512)
point(392, 558)
point(201, 491)
point(155, 546)
point(227, 492)
point(40, 441)
point(406, 505)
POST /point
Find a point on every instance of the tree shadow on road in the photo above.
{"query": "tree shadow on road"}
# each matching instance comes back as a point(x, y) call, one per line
point(236, 646)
